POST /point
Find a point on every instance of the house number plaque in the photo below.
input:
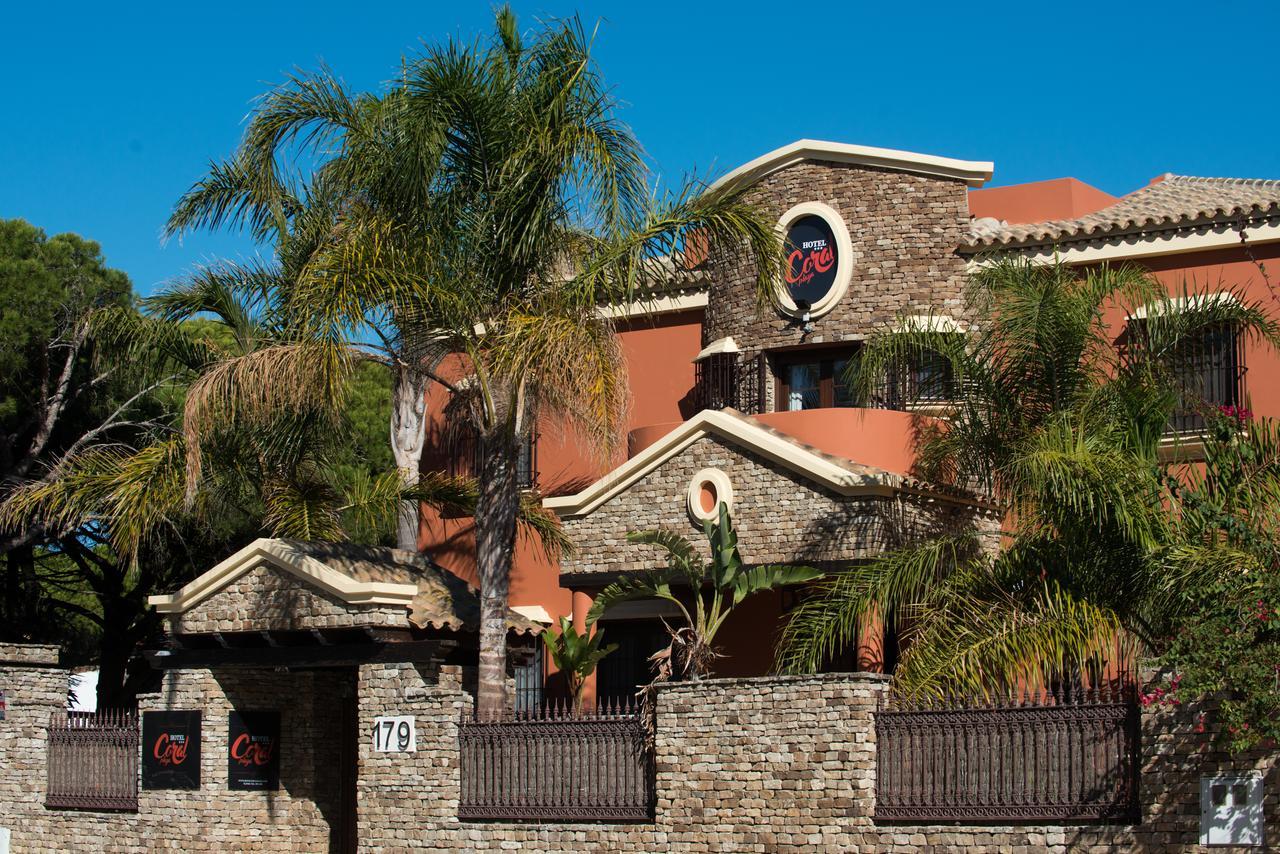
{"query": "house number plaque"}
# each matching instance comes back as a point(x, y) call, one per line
point(395, 734)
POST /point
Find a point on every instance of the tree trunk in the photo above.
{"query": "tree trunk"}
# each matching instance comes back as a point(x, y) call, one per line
point(496, 506)
point(408, 435)
point(114, 654)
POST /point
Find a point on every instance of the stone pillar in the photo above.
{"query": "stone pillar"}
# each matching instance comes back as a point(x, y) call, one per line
point(34, 687)
point(582, 601)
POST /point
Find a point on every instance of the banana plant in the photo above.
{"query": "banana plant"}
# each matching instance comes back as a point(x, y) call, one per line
point(705, 592)
point(576, 655)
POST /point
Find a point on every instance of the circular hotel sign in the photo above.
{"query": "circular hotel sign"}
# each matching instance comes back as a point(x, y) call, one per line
point(812, 259)
point(819, 257)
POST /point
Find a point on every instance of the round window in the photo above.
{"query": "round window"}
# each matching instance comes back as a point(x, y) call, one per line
point(708, 489)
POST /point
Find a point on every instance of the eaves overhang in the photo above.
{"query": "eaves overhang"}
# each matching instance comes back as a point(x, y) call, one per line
point(973, 173)
point(740, 430)
point(280, 555)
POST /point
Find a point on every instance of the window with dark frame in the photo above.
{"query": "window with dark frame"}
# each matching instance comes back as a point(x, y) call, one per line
point(464, 458)
point(1208, 371)
point(813, 379)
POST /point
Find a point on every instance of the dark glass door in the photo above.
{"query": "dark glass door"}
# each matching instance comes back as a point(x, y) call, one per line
point(625, 670)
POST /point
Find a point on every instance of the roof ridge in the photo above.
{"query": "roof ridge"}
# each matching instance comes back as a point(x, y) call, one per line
point(1209, 179)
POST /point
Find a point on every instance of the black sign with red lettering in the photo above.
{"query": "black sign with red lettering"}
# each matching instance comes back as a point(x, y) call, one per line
point(171, 750)
point(253, 750)
point(811, 259)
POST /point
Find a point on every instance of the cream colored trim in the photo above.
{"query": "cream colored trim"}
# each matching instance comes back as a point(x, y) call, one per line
point(284, 557)
point(658, 305)
point(1177, 305)
point(1135, 246)
point(1181, 448)
point(975, 173)
point(926, 323)
point(742, 432)
point(844, 258)
point(724, 494)
point(537, 613)
point(722, 345)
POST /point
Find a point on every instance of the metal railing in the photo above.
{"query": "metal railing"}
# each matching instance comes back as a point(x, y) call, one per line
point(1046, 758)
point(93, 761)
point(466, 450)
point(726, 380)
point(1209, 373)
point(552, 765)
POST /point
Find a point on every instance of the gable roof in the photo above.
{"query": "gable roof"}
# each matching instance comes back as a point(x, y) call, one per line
point(1173, 202)
point(973, 172)
point(840, 475)
point(357, 575)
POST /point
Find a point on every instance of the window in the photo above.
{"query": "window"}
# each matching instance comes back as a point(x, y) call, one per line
point(814, 379)
point(529, 682)
point(1208, 373)
point(1207, 369)
point(464, 457)
point(926, 378)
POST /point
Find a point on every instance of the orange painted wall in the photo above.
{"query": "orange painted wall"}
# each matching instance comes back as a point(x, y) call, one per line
point(1229, 269)
point(875, 437)
point(1037, 201)
point(659, 355)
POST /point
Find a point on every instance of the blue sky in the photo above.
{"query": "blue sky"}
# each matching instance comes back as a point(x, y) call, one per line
point(111, 110)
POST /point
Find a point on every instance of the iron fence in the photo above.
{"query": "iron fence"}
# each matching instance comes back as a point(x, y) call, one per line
point(93, 761)
point(1049, 758)
point(553, 765)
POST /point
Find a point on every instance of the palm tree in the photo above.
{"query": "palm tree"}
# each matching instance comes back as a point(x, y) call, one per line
point(1062, 425)
point(714, 587)
point(493, 201)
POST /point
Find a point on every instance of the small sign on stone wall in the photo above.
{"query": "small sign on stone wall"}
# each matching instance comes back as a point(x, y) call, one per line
point(171, 750)
point(3, 706)
point(253, 750)
point(395, 734)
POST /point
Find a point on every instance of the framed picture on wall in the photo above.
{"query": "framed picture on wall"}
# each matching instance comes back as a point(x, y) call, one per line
point(171, 750)
point(253, 750)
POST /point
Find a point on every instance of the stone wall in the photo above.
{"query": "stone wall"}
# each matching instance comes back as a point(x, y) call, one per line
point(297, 818)
point(781, 764)
point(779, 515)
point(267, 598)
point(776, 765)
point(904, 229)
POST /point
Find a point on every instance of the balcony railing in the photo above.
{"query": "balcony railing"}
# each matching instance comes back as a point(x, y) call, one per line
point(726, 380)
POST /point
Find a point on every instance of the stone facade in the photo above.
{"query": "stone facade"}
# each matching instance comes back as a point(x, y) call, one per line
point(783, 764)
point(779, 515)
point(296, 818)
point(905, 230)
point(267, 598)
